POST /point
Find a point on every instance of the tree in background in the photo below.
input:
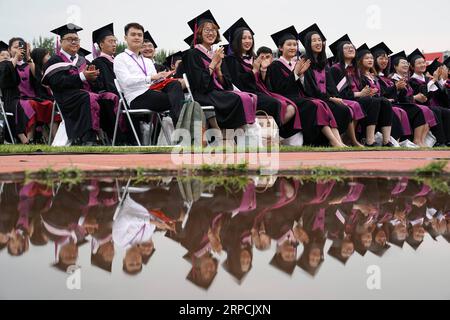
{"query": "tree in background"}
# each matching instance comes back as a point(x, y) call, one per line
point(46, 43)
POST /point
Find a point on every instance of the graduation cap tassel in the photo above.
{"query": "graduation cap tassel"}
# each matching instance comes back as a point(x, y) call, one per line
point(58, 45)
point(195, 33)
point(229, 51)
point(95, 52)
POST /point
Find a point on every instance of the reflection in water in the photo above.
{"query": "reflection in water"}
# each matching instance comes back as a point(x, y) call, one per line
point(292, 217)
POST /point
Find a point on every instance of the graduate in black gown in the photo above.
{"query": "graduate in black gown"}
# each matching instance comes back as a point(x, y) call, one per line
point(210, 80)
point(346, 76)
point(369, 79)
point(248, 73)
point(106, 41)
point(107, 44)
point(319, 83)
point(21, 91)
point(149, 51)
point(68, 75)
point(284, 77)
point(430, 91)
point(413, 125)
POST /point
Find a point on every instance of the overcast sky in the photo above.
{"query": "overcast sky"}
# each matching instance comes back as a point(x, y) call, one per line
point(401, 24)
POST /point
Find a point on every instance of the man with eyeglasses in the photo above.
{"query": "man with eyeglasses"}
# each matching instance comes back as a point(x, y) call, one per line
point(69, 76)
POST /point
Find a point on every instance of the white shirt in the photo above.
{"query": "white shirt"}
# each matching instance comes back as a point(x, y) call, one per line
point(132, 79)
point(132, 225)
point(74, 62)
point(431, 86)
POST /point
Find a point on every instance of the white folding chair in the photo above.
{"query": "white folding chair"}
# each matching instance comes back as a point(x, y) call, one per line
point(55, 111)
point(5, 117)
point(124, 108)
point(188, 87)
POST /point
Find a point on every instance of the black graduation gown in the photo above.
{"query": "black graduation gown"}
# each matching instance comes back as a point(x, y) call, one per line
point(442, 130)
point(9, 85)
point(278, 82)
point(105, 80)
point(227, 105)
point(341, 113)
point(73, 101)
point(370, 105)
point(245, 81)
point(385, 114)
point(403, 101)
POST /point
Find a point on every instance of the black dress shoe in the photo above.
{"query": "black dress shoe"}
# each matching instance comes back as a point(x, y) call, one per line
point(389, 145)
point(373, 145)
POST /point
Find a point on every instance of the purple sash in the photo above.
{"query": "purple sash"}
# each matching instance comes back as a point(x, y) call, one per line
point(248, 202)
point(403, 117)
point(319, 221)
point(400, 187)
point(249, 100)
point(388, 82)
point(354, 193)
point(94, 98)
point(323, 191)
point(320, 77)
point(324, 114)
point(284, 101)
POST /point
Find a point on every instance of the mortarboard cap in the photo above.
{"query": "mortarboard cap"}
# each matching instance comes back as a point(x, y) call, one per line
point(200, 19)
point(240, 24)
point(66, 29)
point(381, 48)
point(433, 66)
point(101, 33)
point(312, 28)
point(3, 46)
point(334, 46)
point(148, 37)
point(413, 56)
point(290, 33)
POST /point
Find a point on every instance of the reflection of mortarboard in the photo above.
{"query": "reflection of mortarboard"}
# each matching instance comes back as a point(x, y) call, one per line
point(335, 251)
point(378, 249)
point(290, 33)
point(413, 243)
point(313, 28)
point(98, 261)
point(285, 266)
point(195, 277)
point(334, 46)
point(148, 38)
point(66, 29)
point(303, 262)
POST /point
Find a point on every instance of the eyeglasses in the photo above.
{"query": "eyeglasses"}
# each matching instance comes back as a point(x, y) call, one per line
point(73, 40)
point(211, 31)
point(348, 48)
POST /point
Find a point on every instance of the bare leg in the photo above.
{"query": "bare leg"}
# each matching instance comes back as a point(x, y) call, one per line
point(351, 132)
point(337, 135)
point(386, 131)
point(290, 113)
point(23, 138)
point(370, 134)
point(328, 133)
point(30, 134)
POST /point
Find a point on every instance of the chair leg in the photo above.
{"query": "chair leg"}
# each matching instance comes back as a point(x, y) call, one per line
point(5, 117)
point(133, 128)
point(166, 134)
point(52, 122)
point(116, 125)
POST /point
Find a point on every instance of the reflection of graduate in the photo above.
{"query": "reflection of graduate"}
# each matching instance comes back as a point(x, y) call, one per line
point(8, 212)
